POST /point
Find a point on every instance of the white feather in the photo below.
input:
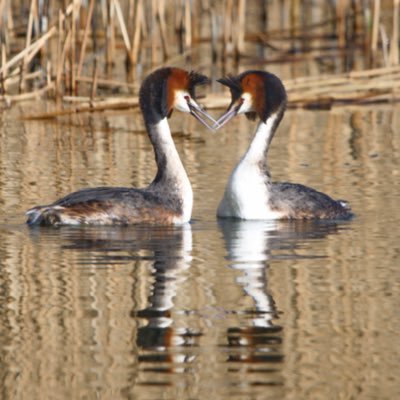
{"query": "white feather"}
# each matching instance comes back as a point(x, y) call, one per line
point(176, 168)
point(246, 195)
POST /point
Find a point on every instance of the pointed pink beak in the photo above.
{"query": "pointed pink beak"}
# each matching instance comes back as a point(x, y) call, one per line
point(230, 113)
point(201, 115)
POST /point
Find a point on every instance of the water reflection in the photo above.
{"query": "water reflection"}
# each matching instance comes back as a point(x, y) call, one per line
point(169, 342)
point(253, 310)
point(169, 251)
point(257, 341)
point(249, 246)
point(160, 340)
point(161, 256)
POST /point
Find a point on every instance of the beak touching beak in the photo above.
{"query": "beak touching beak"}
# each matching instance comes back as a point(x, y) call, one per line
point(201, 115)
point(231, 112)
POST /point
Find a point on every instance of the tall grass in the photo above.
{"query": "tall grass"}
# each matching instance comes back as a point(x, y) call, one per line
point(75, 47)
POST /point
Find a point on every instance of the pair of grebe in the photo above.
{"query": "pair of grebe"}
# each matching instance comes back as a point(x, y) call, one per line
point(250, 193)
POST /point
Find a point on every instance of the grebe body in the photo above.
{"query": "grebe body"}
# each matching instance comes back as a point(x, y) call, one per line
point(250, 193)
point(169, 198)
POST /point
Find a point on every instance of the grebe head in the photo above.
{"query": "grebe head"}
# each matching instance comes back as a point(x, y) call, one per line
point(255, 94)
point(169, 88)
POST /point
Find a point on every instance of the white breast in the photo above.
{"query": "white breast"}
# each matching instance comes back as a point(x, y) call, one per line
point(246, 195)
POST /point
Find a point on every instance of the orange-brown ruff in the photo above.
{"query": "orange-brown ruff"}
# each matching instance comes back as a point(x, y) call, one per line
point(169, 198)
point(250, 192)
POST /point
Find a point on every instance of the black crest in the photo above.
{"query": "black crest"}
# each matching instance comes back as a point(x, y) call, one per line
point(196, 79)
point(234, 85)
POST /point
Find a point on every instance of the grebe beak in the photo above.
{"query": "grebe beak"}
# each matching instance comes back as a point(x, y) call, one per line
point(199, 114)
point(230, 113)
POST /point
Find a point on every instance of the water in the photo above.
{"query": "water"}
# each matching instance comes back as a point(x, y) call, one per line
point(215, 309)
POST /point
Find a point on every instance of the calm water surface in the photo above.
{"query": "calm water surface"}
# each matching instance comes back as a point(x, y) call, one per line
point(211, 310)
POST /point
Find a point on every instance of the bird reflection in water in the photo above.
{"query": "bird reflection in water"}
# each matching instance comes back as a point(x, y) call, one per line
point(160, 338)
point(249, 244)
point(163, 347)
point(259, 339)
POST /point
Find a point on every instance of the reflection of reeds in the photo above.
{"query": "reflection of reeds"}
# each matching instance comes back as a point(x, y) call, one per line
point(73, 46)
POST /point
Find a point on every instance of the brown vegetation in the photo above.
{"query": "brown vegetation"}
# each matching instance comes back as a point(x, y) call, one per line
point(76, 51)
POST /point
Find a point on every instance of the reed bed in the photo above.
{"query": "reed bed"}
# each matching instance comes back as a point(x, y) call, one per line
point(90, 55)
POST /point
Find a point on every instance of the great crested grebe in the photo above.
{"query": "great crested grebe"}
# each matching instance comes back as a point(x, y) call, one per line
point(169, 198)
point(250, 193)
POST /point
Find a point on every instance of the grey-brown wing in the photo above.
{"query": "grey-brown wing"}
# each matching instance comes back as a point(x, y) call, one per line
point(103, 194)
point(299, 201)
point(106, 205)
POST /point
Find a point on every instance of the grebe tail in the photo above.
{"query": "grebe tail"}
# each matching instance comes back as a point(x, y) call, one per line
point(250, 192)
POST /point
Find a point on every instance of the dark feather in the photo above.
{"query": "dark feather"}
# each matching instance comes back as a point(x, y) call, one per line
point(234, 84)
point(109, 205)
point(251, 116)
point(196, 79)
point(153, 96)
point(302, 202)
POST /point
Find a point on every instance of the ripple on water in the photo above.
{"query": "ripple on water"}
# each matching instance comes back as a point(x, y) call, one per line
point(214, 309)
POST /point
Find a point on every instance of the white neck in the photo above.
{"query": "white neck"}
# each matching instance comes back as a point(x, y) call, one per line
point(170, 168)
point(165, 145)
point(247, 193)
point(262, 138)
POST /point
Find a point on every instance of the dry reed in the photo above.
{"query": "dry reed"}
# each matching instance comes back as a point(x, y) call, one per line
point(153, 33)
